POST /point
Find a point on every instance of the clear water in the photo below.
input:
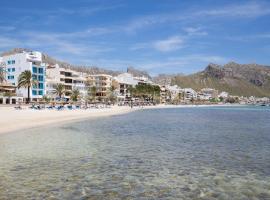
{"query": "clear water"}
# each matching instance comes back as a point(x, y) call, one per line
point(185, 153)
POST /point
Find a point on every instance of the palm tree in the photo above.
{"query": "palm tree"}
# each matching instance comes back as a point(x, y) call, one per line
point(59, 90)
point(110, 94)
point(2, 75)
point(75, 95)
point(92, 93)
point(25, 80)
point(2, 72)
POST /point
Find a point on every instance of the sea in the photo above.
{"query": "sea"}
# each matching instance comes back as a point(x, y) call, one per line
point(169, 153)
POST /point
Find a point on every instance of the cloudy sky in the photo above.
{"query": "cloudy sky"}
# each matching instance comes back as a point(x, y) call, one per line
point(166, 36)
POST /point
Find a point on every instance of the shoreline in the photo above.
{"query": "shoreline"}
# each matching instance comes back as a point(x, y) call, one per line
point(14, 120)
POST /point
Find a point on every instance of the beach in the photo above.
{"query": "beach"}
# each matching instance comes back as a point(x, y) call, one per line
point(14, 120)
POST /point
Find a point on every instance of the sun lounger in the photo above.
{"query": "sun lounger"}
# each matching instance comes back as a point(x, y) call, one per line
point(18, 107)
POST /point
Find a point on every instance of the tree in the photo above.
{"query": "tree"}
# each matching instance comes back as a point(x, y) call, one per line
point(2, 72)
point(59, 89)
point(131, 90)
point(25, 80)
point(92, 93)
point(75, 94)
point(2, 75)
point(110, 94)
point(46, 98)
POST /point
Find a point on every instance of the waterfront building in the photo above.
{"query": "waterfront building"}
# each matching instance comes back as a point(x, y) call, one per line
point(207, 94)
point(8, 94)
point(189, 94)
point(125, 80)
point(223, 95)
point(121, 83)
point(69, 78)
point(102, 83)
point(20, 62)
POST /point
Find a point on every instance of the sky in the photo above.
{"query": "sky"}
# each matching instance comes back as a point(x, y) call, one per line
point(159, 36)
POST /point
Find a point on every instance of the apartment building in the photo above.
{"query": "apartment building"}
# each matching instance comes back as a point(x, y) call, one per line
point(207, 94)
point(125, 80)
point(102, 82)
point(69, 78)
point(189, 94)
point(17, 63)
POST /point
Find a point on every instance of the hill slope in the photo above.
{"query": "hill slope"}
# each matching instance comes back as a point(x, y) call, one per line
point(87, 69)
point(237, 79)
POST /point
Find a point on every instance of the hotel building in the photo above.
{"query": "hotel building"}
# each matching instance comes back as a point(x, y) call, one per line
point(20, 62)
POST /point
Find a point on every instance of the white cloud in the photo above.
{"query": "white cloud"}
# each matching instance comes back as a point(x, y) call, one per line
point(166, 45)
point(195, 31)
point(170, 44)
point(246, 10)
point(249, 9)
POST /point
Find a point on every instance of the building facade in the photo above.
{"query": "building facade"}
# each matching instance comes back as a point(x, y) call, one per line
point(69, 78)
point(102, 83)
point(20, 62)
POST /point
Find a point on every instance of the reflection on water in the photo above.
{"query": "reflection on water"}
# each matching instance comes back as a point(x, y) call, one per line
point(186, 153)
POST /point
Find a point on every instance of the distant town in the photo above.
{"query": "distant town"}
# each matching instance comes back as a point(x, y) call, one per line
point(26, 78)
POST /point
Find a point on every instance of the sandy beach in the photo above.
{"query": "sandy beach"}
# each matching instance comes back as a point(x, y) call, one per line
point(12, 120)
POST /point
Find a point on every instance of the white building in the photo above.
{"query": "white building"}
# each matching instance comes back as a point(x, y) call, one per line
point(207, 94)
point(174, 90)
point(223, 95)
point(125, 80)
point(69, 78)
point(20, 62)
point(189, 94)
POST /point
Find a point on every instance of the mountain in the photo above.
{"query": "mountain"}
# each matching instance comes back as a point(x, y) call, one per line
point(136, 72)
point(87, 69)
point(237, 79)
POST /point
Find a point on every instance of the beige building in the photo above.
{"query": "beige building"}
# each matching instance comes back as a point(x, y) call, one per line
point(69, 78)
point(102, 82)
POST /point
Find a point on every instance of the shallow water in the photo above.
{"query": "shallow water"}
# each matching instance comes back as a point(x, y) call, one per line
point(185, 153)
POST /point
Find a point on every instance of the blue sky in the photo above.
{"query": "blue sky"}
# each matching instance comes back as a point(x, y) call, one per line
point(159, 36)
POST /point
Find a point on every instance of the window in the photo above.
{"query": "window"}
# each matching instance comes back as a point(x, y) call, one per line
point(34, 70)
point(40, 92)
point(10, 77)
point(40, 78)
point(40, 85)
point(13, 83)
point(34, 77)
point(8, 62)
point(11, 69)
point(34, 92)
point(13, 61)
point(34, 86)
point(40, 70)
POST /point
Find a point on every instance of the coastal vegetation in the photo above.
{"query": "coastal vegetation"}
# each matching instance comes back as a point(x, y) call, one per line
point(25, 80)
point(75, 95)
point(145, 92)
point(59, 90)
point(91, 93)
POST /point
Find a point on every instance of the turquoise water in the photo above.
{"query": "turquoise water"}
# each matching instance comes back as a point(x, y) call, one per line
point(185, 153)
